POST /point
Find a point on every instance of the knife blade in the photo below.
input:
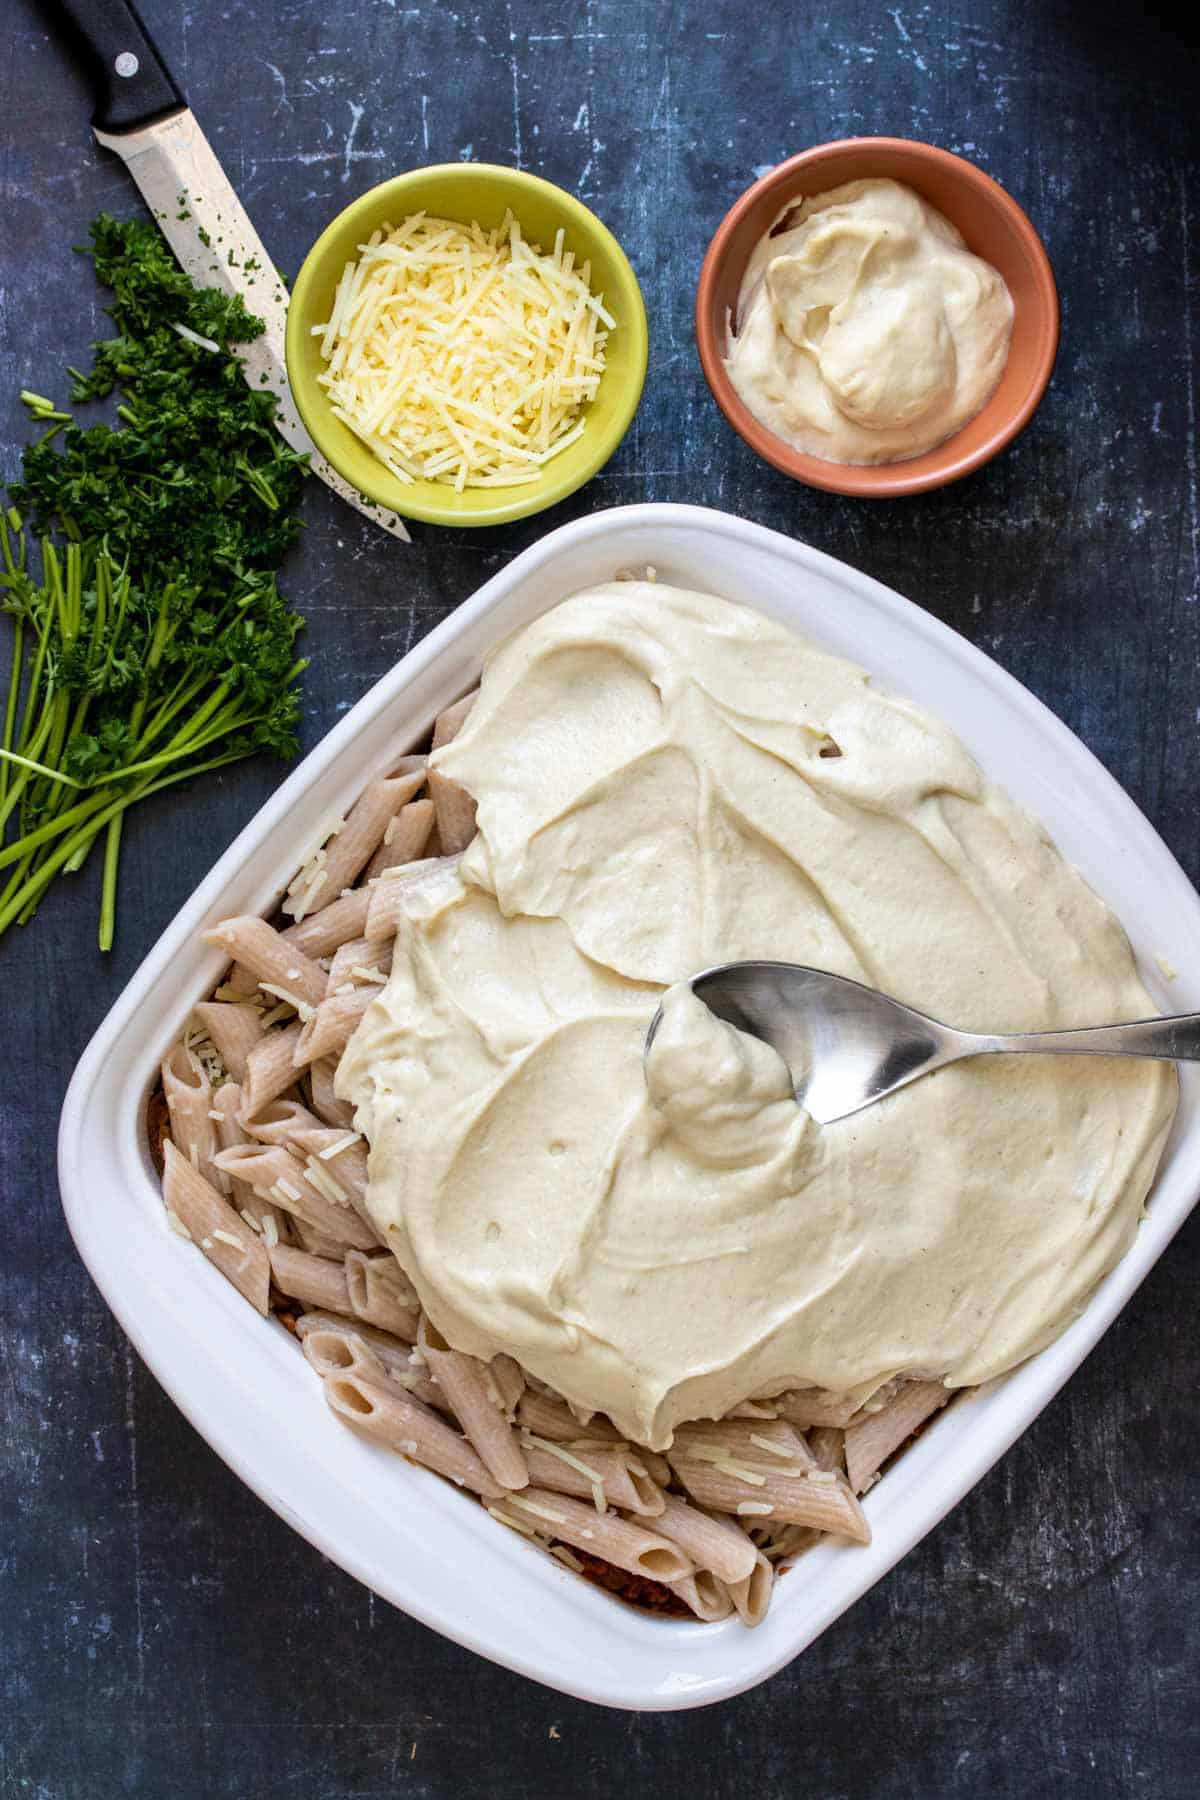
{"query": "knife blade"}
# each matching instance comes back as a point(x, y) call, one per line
point(143, 117)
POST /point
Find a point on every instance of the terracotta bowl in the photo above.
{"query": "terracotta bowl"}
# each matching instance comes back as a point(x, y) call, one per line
point(993, 226)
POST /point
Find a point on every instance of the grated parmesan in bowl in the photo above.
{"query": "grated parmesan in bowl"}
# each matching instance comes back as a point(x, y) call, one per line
point(463, 356)
point(475, 361)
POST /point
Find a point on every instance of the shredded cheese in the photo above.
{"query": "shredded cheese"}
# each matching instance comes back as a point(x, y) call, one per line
point(463, 356)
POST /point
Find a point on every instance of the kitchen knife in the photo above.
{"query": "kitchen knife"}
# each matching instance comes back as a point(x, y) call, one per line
point(142, 115)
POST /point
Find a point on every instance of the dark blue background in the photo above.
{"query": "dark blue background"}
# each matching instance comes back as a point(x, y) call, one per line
point(163, 1633)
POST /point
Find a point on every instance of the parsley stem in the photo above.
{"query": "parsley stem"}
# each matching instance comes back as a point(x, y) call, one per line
point(27, 762)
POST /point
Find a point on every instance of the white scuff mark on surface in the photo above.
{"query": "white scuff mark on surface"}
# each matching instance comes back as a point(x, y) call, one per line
point(356, 113)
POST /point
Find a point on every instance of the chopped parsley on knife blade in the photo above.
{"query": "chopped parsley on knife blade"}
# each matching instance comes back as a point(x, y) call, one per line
point(138, 561)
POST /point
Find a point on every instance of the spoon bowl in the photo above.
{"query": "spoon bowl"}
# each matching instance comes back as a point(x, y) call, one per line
point(847, 1045)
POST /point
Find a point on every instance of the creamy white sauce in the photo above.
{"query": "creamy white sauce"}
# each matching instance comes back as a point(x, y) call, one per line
point(660, 1243)
point(867, 331)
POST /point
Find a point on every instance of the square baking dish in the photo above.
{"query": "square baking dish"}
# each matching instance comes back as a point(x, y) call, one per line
point(240, 1379)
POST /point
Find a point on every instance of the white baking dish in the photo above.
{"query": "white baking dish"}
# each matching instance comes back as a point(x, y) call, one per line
point(240, 1378)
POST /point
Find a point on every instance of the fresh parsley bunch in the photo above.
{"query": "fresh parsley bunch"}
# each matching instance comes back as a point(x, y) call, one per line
point(153, 643)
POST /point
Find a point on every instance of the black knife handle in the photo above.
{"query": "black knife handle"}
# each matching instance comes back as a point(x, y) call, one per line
point(130, 80)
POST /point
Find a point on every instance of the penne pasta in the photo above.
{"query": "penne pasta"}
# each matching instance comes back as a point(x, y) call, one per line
point(551, 1418)
point(770, 1444)
point(618, 1479)
point(317, 1243)
point(752, 1596)
point(872, 1438)
point(813, 1406)
point(280, 968)
point(388, 894)
point(348, 849)
point(455, 812)
point(390, 1417)
point(357, 961)
point(396, 1358)
point(276, 1122)
point(234, 1031)
point(326, 1105)
point(606, 1535)
point(449, 723)
point(717, 1545)
point(828, 1447)
point(706, 1594)
point(273, 1170)
point(213, 1225)
point(270, 1069)
point(314, 1280)
point(405, 838)
point(793, 1496)
point(332, 1025)
point(189, 1096)
point(382, 1294)
point(227, 1104)
point(509, 1378)
point(321, 933)
point(465, 1383)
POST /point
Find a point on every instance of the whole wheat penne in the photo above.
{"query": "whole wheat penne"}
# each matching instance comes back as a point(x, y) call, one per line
point(753, 1409)
point(762, 1443)
point(828, 1447)
point(871, 1439)
point(714, 1544)
point(227, 1105)
point(213, 1225)
point(813, 1406)
point(622, 1483)
point(657, 1467)
point(275, 1172)
point(342, 1154)
point(397, 1358)
point(464, 1381)
point(233, 1029)
point(752, 1596)
point(405, 838)
point(332, 1025)
point(241, 981)
point(311, 1279)
point(550, 1418)
point(321, 933)
point(280, 967)
point(357, 961)
point(270, 1070)
point(317, 1243)
point(326, 1105)
point(350, 848)
point(449, 723)
point(341, 1353)
point(757, 1495)
point(388, 893)
point(706, 1594)
point(403, 1424)
point(189, 1097)
point(382, 1294)
point(508, 1378)
point(455, 811)
point(275, 1122)
point(606, 1535)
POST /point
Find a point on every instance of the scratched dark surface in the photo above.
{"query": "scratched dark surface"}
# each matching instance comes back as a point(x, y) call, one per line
point(162, 1632)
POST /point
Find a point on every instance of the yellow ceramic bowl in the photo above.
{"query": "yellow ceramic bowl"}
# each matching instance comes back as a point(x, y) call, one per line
point(466, 192)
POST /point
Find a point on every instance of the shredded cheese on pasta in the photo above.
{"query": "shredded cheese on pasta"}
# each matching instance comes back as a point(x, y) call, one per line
point(463, 356)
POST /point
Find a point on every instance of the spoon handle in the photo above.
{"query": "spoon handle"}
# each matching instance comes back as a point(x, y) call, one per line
point(1176, 1038)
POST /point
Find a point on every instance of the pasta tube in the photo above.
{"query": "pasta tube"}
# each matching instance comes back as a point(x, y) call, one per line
point(234, 1030)
point(392, 1418)
point(873, 1436)
point(405, 838)
point(212, 1224)
point(350, 847)
point(280, 968)
point(189, 1097)
point(606, 1535)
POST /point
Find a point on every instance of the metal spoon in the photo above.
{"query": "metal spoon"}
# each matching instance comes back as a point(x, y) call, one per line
point(847, 1045)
